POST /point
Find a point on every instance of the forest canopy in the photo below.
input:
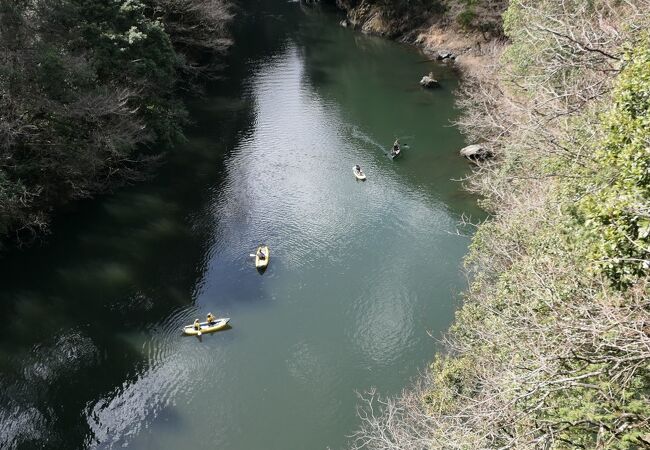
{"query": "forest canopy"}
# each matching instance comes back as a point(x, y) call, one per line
point(88, 95)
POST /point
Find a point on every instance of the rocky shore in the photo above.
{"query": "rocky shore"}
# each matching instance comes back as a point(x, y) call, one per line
point(438, 33)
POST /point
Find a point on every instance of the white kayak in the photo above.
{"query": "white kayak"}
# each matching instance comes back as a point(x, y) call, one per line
point(261, 263)
point(205, 327)
point(358, 173)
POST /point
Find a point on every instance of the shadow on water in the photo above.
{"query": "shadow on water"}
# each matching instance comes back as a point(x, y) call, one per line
point(74, 303)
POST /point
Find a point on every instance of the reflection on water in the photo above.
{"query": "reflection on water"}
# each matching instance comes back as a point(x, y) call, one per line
point(92, 354)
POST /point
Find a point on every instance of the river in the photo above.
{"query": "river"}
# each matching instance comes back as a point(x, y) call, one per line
point(360, 275)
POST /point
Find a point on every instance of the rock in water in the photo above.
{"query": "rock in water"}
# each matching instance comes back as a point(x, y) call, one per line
point(476, 152)
point(428, 81)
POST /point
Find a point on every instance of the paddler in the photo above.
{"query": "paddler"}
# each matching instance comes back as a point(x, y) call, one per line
point(260, 253)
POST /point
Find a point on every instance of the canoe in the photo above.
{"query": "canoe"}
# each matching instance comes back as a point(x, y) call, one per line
point(358, 174)
point(206, 327)
point(262, 263)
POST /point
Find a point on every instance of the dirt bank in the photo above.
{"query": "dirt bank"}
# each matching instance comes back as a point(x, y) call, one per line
point(438, 31)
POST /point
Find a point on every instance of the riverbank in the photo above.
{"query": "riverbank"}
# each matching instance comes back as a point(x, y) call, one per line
point(469, 36)
point(550, 348)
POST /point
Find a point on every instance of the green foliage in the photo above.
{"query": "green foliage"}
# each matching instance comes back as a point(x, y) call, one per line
point(130, 48)
point(452, 378)
point(466, 18)
point(479, 15)
point(615, 208)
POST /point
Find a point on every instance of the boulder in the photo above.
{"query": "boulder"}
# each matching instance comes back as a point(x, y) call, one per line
point(476, 152)
point(344, 23)
point(428, 81)
point(443, 54)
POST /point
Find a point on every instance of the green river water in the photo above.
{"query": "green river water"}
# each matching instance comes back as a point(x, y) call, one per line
point(91, 354)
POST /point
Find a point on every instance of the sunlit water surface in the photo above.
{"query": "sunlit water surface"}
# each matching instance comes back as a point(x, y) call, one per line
point(91, 354)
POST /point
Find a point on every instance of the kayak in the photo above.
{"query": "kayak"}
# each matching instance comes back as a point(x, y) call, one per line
point(358, 173)
point(262, 263)
point(206, 327)
point(395, 153)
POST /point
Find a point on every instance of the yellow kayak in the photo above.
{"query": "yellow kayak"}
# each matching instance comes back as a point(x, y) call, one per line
point(261, 263)
point(206, 327)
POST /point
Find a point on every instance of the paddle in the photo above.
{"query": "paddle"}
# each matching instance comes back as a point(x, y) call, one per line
point(254, 255)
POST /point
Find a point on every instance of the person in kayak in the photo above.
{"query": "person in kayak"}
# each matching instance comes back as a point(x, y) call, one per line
point(210, 318)
point(396, 146)
point(197, 324)
point(260, 254)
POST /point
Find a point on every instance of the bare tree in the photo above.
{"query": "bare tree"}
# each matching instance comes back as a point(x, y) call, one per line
point(198, 29)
